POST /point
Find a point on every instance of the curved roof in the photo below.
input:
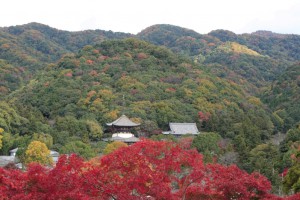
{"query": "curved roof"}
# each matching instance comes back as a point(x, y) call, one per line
point(122, 121)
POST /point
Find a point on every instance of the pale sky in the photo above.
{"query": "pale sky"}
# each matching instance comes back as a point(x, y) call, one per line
point(132, 16)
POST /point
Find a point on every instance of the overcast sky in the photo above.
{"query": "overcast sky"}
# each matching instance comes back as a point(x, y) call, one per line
point(132, 16)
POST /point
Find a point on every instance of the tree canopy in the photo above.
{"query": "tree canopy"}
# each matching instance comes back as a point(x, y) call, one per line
point(148, 169)
point(39, 153)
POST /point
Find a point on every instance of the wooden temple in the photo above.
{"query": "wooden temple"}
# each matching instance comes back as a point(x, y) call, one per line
point(122, 130)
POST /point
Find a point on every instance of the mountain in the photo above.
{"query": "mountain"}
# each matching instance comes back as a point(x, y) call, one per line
point(28, 48)
point(281, 47)
point(145, 81)
point(33, 46)
point(179, 40)
point(48, 44)
point(228, 55)
point(252, 61)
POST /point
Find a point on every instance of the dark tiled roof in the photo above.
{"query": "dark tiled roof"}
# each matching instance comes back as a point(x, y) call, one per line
point(123, 121)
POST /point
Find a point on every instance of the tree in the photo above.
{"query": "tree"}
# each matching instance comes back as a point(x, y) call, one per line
point(292, 135)
point(77, 147)
point(114, 146)
point(1, 131)
point(265, 159)
point(9, 118)
point(38, 152)
point(207, 143)
point(144, 170)
point(292, 179)
point(44, 138)
point(95, 130)
point(21, 156)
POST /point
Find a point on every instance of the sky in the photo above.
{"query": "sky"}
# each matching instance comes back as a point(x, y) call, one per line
point(132, 16)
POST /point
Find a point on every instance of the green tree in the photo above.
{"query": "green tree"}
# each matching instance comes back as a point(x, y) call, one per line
point(292, 179)
point(9, 118)
point(114, 146)
point(207, 142)
point(292, 136)
point(21, 156)
point(95, 130)
point(45, 138)
point(264, 158)
point(38, 152)
point(80, 148)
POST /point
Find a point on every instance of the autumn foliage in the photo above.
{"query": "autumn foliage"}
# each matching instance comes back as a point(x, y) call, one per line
point(145, 170)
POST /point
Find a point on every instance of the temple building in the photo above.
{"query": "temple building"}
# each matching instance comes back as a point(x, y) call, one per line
point(121, 130)
point(180, 129)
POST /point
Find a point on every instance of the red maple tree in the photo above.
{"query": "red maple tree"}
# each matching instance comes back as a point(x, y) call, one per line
point(145, 170)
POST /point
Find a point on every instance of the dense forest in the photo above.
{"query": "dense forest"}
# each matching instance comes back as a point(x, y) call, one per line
point(61, 88)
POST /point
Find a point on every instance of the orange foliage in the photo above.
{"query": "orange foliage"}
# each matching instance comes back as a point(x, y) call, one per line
point(69, 74)
point(5, 46)
point(141, 56)
point(93, 73)
point(102, 58)
point(96, 51)
point(112, 114)
point(91, 93)
point(89, 62)
point(3, 90)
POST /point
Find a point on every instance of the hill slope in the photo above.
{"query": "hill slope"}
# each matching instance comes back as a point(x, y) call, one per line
point(33, 46)
point(283, 97)
point(238, 64)
point(158, 87)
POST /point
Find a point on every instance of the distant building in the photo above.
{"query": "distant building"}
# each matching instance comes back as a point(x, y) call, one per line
point(13, 152)
point(121, 130)
point(4, 160)
point(179, 129)
point(54, 155)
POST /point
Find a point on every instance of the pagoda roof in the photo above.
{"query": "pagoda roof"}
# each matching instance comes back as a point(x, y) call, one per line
point(123, 121)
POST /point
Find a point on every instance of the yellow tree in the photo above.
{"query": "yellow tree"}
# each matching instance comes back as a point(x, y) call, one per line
point(114, 146)
point(38, 152)
point(1, 131)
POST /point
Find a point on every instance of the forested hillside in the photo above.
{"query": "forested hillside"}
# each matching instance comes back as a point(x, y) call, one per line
point(253, 60)
point(158, 87)
point(283, 97)
point(31, 47)
point(62, 87)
